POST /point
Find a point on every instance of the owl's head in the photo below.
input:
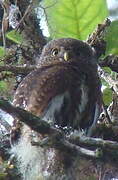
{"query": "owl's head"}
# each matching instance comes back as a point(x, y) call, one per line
point(67, 49)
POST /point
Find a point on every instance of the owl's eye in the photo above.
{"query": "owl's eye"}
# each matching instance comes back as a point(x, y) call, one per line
point(55, 52)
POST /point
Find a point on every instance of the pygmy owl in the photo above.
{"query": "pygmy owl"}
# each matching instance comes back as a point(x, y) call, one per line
point(65, 89)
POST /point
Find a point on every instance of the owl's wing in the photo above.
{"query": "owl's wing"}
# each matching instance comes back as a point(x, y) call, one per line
point(42, 85)
point(60, 92)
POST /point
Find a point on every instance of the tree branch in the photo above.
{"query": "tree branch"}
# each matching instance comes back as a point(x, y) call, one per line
point(76, 150)
point(93, 142)
point(28, 118)
point(43, 127)
point(96, 39)
point(30, 27)
point(57, 139)
point(18, 69)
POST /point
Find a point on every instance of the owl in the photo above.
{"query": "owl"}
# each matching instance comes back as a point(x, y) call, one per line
point(65, 90)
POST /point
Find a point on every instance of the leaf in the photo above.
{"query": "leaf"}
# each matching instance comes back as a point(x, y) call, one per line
point(107, 96)
point(105, 84)
point(107, 69)
point(112, 38)
point(74, 18)
point(2, 51)
point(111, 73)
point(15, 36)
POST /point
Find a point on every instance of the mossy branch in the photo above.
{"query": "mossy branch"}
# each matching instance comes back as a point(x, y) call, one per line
point(57, 139)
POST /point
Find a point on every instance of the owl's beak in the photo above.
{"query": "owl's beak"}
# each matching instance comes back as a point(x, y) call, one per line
point(66, 56)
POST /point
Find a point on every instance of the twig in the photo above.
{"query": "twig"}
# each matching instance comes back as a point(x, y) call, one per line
point(93, 142)
point(99, 32)
point(24, 69)
point(96, 39)
point(110, 61)
point(31, 31)
point(75, 150)
point(28, 10)
point(18, 69)
point(106, 113)
point(5, 5)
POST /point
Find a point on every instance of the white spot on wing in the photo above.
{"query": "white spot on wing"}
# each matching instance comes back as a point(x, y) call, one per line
point(96, 116)
point(17, 105)
point(24, 104)
point(84, 98)
point(22, 85)
point(14, 101)
point(21, 96)
point(17, 92)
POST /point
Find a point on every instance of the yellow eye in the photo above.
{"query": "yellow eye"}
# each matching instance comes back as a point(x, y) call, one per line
point(55, 52)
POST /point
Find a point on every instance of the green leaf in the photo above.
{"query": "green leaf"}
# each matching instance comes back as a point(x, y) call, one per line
point(107, 69)
point(15, 37)
point(74, 18)
point(112, 38)
point(2, 51)
point(112, 73)
point(107, 96)
point(104, 83)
